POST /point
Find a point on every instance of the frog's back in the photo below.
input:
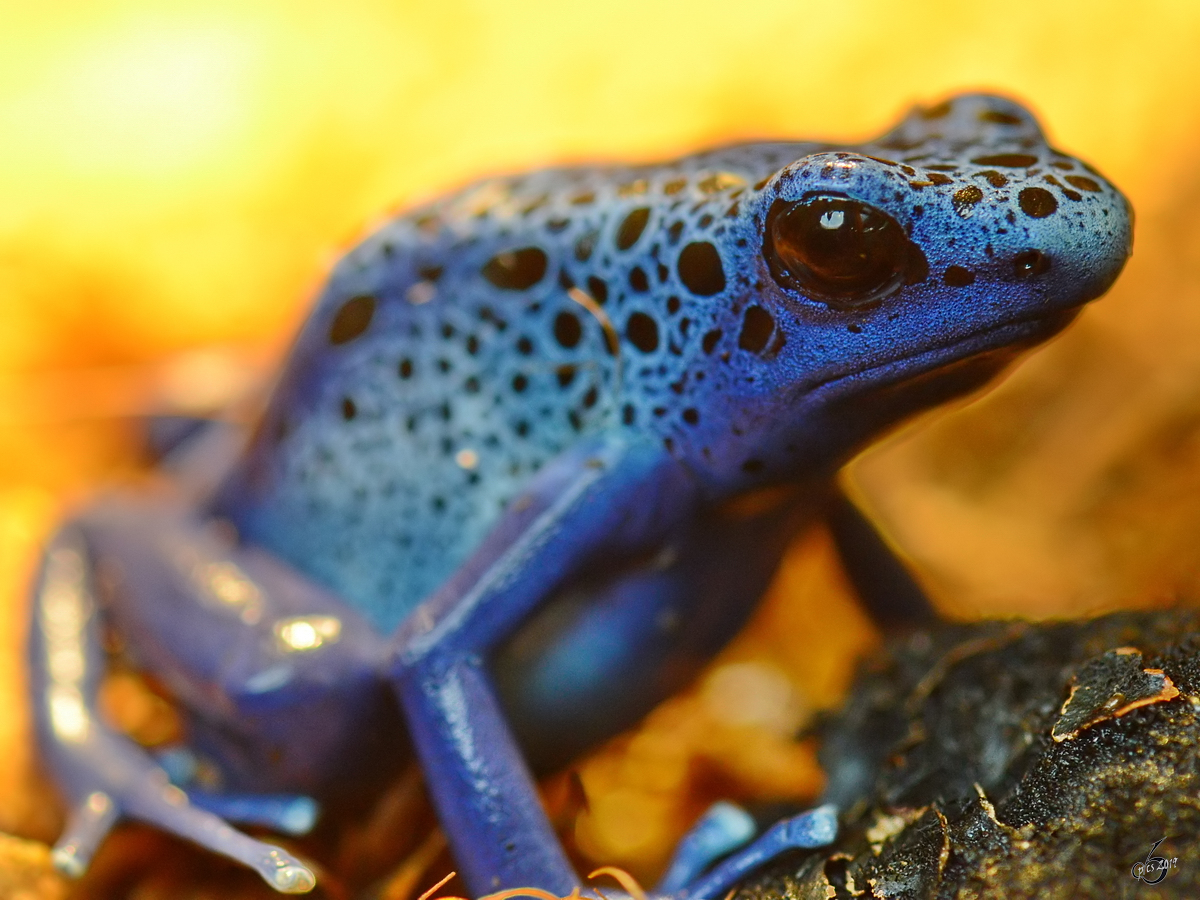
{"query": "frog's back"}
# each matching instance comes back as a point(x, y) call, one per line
point(466, 343)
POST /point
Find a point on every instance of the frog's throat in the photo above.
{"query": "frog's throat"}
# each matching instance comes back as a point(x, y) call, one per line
point(1016, 336)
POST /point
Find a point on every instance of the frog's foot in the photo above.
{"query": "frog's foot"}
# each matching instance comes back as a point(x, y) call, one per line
point(107, 775)
point(722, 829)
point(125, 782)
point(725, 827)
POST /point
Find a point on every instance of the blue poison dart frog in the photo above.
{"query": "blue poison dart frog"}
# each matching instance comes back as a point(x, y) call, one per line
point(533, 459)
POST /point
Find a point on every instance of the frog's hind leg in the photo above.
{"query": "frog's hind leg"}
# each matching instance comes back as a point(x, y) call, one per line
point(105, 775)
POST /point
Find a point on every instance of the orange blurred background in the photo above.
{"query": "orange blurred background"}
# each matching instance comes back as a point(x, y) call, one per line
point(175, 180)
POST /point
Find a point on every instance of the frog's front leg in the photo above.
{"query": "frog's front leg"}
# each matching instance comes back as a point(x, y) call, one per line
point(611, 496)
point(608, 499)
point(880, 576)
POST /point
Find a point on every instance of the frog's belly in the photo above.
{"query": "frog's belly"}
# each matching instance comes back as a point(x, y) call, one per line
point(604, 651)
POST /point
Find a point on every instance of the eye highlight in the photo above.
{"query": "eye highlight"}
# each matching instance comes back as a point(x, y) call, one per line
point(840, 251)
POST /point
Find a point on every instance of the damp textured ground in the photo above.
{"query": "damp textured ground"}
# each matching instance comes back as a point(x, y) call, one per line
point(1013, 760)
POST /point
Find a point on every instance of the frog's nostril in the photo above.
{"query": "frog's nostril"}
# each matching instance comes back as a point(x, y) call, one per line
point(1030, 263)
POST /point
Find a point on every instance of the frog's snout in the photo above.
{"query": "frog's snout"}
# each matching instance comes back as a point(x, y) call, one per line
point(1096, 252)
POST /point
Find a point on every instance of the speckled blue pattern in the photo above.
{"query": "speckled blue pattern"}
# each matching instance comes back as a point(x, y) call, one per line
point(468, 342)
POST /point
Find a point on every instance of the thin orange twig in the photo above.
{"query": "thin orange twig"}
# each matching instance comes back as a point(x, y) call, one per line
point(437, 887)
point(624, 879)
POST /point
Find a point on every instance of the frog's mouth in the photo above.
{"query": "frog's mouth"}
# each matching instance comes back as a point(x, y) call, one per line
point(972, 360)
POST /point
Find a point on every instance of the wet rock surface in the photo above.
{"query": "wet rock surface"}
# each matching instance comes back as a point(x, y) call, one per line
point(1015, 760)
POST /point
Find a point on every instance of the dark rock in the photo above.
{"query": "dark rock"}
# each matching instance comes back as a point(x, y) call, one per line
point(1015, 760)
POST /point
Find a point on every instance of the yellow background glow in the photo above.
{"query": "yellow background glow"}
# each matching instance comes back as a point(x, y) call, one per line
point(176, 178)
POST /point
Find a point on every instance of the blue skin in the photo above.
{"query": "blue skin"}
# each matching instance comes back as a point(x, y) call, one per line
point(533, 460)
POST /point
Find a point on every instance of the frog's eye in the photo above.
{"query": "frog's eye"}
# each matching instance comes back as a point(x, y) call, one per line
point(837, 250)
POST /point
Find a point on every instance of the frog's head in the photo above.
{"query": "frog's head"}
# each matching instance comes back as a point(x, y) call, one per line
point(886, 278)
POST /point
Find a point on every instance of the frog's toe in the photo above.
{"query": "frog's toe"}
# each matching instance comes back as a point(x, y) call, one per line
point(815, 828)
point(172, 810)
point(722, 829)
point(88, 825)
point(293, 814)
